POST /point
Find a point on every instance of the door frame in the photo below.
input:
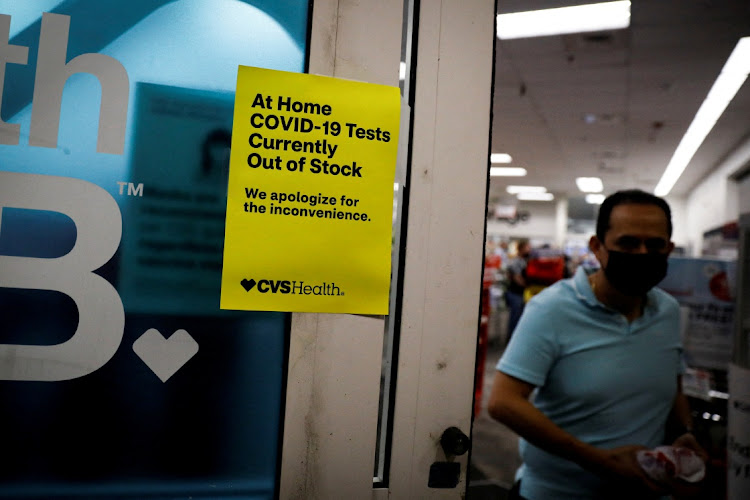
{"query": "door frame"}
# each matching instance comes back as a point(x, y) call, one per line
point(334, 372)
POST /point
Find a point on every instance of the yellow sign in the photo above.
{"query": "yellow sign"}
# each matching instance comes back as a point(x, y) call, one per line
point(310, 196)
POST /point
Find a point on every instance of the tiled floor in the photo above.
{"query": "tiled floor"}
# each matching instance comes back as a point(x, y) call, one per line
point(494, 457)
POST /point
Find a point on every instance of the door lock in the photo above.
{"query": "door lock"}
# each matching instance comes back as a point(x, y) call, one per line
point(454, 441)
point(447, 474)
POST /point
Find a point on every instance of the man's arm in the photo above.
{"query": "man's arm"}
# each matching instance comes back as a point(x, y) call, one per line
point(684, 420)
point(685, 438)
point(509, 403)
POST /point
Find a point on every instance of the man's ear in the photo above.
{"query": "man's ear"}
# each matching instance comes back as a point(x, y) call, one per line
point(594, 244)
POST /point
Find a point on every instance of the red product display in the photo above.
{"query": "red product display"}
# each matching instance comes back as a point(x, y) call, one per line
point(545, 267)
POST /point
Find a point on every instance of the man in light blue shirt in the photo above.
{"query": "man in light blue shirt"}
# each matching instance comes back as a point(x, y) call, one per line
point(601, 354)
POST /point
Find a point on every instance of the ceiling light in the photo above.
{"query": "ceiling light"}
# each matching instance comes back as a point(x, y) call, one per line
point(590, 184)
point(525, 189)
point(603, 118)
point(500, 158)
point(536, 196)
point(578, 19)
point(595, 199)
point(507, 171)
point(731, 78)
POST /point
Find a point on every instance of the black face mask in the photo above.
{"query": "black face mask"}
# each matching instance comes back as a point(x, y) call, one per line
point(635, 273)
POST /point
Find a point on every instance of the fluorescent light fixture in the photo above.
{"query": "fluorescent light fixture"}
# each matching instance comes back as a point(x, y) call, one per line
point(535, 196)
point(595, 199)
point(500, 158)
point(590, 184)
point(729, 81)
point(507, 171)
point(402, 71)
point(525, 189)
point(578, 19)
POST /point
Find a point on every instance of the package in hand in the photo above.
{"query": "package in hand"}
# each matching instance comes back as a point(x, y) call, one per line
point(665, 463)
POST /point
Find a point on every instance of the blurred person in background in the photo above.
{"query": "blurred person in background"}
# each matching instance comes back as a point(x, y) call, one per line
point(516, 272)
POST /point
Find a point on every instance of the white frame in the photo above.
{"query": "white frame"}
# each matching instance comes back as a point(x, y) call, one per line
point(334, 371)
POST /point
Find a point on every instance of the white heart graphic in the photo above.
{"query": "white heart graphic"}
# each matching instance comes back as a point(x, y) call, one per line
point(165, 356)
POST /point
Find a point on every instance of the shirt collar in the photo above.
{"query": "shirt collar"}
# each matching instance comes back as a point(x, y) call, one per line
point(582, 287)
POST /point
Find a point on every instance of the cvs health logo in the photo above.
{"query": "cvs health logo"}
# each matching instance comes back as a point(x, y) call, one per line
point(265, 286)
point(291, 286)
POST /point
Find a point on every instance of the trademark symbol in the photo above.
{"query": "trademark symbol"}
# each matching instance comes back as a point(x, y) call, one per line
point(133, 189)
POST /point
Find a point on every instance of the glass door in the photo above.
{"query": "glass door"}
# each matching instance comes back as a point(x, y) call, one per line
point(124, 377)
point(119, 374)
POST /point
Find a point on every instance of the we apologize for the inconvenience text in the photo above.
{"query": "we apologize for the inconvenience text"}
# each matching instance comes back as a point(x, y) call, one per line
point(287, 204)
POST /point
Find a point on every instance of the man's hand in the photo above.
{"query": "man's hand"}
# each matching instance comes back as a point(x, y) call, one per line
point(682, 489)
point(620, 466)
point(688, 441)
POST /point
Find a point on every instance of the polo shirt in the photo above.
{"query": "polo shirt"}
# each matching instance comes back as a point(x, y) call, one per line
point(605, 380)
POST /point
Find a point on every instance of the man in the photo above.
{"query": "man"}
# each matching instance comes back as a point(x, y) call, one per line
point(516, 271)
point(604, 355)
point(502, 251)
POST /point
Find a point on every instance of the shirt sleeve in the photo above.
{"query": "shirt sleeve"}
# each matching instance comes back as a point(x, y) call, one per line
point(533, 347)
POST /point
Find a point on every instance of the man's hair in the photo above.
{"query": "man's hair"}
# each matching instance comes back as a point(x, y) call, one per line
point(630, 196)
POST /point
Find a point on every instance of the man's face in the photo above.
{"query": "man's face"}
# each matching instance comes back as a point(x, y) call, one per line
point(524, 250)
point(634, 228)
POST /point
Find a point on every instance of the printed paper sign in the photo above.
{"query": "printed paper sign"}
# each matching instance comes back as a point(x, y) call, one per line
point(707, 288)
point(310, 195)
point(173, 230)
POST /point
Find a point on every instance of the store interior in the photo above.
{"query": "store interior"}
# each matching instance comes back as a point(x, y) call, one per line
point(580, 115)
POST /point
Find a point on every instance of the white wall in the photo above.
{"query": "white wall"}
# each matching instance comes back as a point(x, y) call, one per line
point(744, 195)
point(715, 201)
point(680, 230)
point(541, 223)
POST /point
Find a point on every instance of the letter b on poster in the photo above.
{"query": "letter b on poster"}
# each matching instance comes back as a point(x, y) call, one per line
point(310, 194)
